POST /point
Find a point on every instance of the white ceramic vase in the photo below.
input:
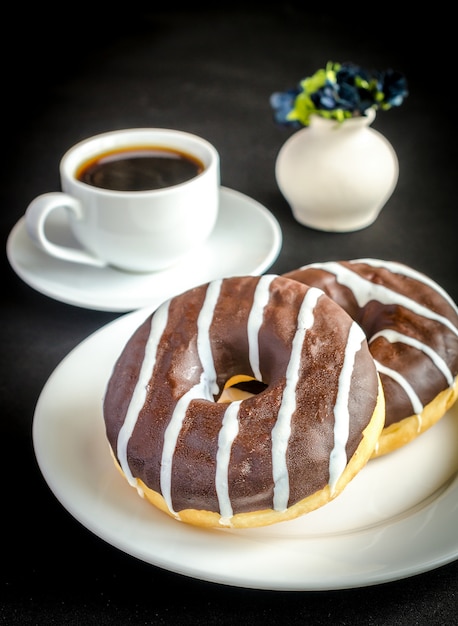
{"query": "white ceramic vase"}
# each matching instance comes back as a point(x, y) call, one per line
point(337, 176)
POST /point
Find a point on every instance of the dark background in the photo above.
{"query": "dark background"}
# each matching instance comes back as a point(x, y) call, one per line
point(72, 71)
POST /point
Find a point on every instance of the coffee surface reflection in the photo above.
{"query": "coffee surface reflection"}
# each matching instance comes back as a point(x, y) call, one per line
point(140, 168)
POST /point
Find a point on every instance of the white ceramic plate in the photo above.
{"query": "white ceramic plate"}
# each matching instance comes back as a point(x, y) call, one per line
point(246, 241)
point(398, 517)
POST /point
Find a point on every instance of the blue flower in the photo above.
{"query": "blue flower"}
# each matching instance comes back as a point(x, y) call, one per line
point(338, 91)
point(393, 86)
point(282, 103)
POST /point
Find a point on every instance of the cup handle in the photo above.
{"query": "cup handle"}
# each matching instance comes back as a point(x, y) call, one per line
point(35, 218)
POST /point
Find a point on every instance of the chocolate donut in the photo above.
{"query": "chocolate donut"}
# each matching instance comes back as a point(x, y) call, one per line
point(270, 457)
point(411, 325)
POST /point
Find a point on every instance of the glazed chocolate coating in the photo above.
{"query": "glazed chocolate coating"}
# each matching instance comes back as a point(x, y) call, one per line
point(178, 368)
point(381, 312)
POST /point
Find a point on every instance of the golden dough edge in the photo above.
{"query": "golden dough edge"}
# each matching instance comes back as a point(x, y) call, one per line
point(403, 432)
point(267, 517)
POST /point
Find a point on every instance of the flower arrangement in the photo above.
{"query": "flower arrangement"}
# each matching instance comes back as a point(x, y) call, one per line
point(339, 91)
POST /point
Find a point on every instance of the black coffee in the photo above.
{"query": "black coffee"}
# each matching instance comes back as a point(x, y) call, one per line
point(139, 168)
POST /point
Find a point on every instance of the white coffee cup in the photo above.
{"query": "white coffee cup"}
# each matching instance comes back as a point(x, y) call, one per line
point(134, 230)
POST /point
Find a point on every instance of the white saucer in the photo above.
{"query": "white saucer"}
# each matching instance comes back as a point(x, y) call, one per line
point(397, 518)
point(246, 241)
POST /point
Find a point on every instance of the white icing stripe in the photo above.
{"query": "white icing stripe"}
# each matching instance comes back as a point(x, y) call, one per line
point(417, 406)
point(204, 348)
point(229, 431)
point(364, 291)
point(393, 337)
point(404, 270)
point(158, 324)
point(282, 429)
point(206, 388)
point(260, 300)
point(338, 457)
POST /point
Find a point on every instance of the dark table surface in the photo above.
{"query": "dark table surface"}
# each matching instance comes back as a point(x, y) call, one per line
point(209, 72)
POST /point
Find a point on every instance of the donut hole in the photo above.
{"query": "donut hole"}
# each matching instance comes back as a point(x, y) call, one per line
point(240, 387)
